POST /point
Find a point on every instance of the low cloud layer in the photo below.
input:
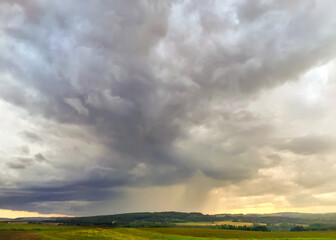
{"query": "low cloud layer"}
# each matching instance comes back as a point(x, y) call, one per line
point(227, 104)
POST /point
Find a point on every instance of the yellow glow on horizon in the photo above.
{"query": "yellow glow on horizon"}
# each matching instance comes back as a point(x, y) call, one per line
point(4, 213)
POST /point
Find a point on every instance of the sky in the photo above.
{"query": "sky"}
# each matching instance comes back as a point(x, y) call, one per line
point(113, 106)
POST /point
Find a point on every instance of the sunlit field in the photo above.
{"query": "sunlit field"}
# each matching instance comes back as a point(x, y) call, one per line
point(41, 232)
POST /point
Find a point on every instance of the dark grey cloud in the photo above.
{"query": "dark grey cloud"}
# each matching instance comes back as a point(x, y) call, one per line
point(39, 157)
point(20, 163)
point(139, 94)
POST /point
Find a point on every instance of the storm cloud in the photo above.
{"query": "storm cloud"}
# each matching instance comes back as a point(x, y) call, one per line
point(117, 99)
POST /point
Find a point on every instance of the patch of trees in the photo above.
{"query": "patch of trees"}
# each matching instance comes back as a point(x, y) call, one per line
point(315, 227)
point(261, 228)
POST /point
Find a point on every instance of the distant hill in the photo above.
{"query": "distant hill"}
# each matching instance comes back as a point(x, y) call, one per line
point(5, 219)
point(162, 219)
point(139, 219)
point(293, 214)
point(33, 218)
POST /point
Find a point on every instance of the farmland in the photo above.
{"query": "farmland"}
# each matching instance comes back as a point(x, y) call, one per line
point(218, 223)
point(44, 232)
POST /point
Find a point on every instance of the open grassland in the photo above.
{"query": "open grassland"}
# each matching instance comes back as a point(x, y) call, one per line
point(19, 235)
point(40, 232)
point(236, 234)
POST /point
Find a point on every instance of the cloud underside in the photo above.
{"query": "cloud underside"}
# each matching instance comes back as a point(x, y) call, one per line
point(119, 105)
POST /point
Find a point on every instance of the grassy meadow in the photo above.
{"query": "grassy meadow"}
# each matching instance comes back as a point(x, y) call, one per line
point(44, 232)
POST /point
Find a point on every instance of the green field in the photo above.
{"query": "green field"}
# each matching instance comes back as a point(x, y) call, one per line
point(40, 232)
